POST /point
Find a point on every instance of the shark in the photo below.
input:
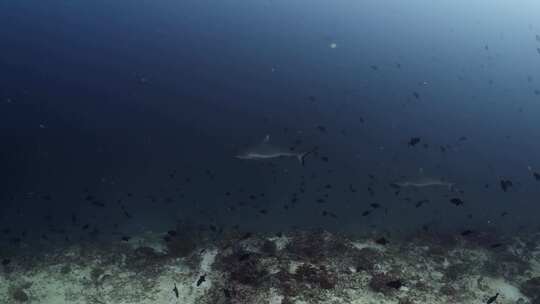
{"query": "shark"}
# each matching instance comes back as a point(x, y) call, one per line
point(423, 182)
point(265, 150)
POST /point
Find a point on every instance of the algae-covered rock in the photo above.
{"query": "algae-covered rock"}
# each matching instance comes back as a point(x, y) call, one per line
point(531, 288)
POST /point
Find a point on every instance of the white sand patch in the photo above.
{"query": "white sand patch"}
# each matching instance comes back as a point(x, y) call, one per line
point(293, 266)
point(508, 292)
point(281, 242)
point(149, 239)
point(3, 287)
point(274, 297)
point(208, 259)
point(535, 267)
point(368, 244)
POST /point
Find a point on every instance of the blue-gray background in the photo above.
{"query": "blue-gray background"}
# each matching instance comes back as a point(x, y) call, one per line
point(143, 105)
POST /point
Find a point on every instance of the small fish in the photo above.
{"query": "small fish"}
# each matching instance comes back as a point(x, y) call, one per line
point(126, 213)
point(416, 95)
point(505, 184)
point(381, 241)
point(366, 213)
point(421, 203)
point(535, 174)
point(98, 203)
point(492, 299)
point(6, 262)
point(175, 290)
point(457, 201)
point(396, 284)
point(413, 141)
point(201, 280)
point(328, 213)
point(246, 236)
point(244, 257)
point(467, 232)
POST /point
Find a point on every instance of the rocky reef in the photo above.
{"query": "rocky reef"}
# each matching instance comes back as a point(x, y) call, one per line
point(300, 267)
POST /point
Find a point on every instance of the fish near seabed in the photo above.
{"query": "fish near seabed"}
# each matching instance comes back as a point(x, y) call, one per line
point(265, 150)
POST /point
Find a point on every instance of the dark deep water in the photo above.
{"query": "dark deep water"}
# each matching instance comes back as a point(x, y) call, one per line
point(127, 115)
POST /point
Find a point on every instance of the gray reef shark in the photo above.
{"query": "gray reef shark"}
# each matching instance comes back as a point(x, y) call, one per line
point(265, 151)
point(423, 182)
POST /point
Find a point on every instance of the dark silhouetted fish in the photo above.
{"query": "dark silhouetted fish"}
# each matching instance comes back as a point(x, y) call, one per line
point(413, 141)
point(505, 184)
point(381, 241)
point(492, 299)
point(201, 280)
point(535, 174)
point(467, 232)
point(175, 290)
point(421, 203)
point(396, 284)
point(328, 213)
point(457, 201)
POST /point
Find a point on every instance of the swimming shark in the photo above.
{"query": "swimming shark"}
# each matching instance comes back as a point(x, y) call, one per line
point(423, 182)
point(265, 150)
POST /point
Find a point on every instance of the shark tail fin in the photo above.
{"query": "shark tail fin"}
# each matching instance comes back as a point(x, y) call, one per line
point(302, 156)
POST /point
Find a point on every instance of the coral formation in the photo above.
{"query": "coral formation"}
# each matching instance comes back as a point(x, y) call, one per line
point(299, 267)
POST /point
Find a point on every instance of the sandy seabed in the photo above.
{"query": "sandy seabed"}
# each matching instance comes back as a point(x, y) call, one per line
point(295, 268)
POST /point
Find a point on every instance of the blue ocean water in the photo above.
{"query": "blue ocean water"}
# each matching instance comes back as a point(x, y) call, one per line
point(125, 116)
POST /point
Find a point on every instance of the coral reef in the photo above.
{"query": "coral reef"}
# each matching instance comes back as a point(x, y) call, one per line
point(300, 267)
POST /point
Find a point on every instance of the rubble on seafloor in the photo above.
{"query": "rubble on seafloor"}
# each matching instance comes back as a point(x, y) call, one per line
point(299, 267)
